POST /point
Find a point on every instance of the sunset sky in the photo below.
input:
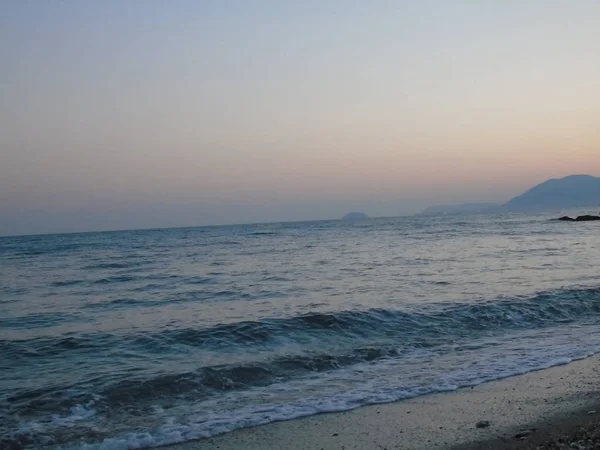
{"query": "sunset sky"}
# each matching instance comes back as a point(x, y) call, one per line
point(138, 114)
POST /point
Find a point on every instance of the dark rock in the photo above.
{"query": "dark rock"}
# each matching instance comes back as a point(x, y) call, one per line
point(584, 218)
point(523, 434)
point(482, 424)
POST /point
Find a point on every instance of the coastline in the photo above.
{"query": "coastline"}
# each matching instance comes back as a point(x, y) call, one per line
point(552, 401)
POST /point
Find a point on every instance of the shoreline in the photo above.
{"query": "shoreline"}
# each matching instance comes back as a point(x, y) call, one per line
point(554, 401)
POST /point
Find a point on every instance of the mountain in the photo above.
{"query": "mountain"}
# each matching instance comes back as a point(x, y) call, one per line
point(573, 191)
point(354, 216)
point(568, 192)
point(461, 208)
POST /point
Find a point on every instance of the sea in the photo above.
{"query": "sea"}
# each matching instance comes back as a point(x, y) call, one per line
point(135, 339)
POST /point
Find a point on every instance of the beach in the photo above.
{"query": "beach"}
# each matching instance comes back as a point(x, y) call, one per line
point(524, 411)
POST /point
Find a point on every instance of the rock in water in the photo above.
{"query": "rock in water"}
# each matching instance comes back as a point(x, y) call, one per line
point(584, 218)
point(523, 433)
point(482, 424)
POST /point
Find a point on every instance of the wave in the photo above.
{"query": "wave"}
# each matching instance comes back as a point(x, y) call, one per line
point(208, 418)
point(65, 283)
point(116, 279)
point(107, 265)
point(434, 324)
point(195, 385)
point(434, 320)
point(263, 233)
point(209, 380)
point(327, 348)
point(39, 320)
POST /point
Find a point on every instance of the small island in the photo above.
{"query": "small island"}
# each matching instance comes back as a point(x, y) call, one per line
point(355, 216)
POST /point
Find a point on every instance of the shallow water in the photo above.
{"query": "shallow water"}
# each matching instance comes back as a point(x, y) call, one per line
point(139, 338)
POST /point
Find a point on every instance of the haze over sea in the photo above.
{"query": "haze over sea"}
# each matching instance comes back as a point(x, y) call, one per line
point(130, 339)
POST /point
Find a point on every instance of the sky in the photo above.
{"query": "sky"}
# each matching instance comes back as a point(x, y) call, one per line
point(146, 113)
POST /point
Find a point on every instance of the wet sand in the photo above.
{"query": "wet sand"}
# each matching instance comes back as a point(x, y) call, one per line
point(526, 411)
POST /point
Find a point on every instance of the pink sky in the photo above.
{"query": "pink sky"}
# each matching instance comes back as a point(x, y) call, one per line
point(188, 113)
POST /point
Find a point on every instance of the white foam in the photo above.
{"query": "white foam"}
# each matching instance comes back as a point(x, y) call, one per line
point(385, 381)
point(77, 413)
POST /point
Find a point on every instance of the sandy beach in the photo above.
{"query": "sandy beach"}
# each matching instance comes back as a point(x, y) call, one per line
point(521, 412)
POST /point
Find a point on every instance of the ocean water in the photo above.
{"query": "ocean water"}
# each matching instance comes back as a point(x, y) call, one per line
point(135, 339)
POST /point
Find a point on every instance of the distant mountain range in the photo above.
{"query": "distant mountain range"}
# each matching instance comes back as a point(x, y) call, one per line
point(461, 208)
point(569, 192)
point(574, 191)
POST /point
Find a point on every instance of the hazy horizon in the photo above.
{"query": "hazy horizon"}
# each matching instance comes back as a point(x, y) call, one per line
point(151, 114)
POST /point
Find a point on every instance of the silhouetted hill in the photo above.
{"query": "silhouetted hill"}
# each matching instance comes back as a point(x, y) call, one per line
point(353, 216)
point(461, 208)
point(569, 192)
